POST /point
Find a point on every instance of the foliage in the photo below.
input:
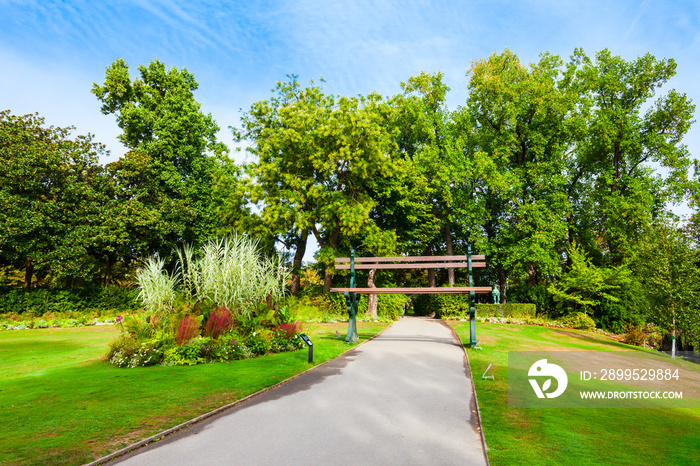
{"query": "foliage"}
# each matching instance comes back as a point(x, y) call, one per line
point(390, 307)
point(647, 336)
point(189, 316)
point(40, 301)
point(516, 310)
point(615, 193)
point(161, 119)
point(666, 262)
point(290, 329)
point(585, 286)
point(50, 195)
point(315, 156)
point(579, 320)
point(187, 329)
point(218, 322)
point(453, 306)
point(516, 195)
point(156, 286)
point(230, 272)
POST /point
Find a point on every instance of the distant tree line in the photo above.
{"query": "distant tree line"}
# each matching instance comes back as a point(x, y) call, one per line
point(562, 173)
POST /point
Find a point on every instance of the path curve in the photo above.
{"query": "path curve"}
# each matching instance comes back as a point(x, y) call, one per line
point(403, 398)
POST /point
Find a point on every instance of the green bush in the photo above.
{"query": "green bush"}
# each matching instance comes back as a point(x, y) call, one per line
point(389, 306)
point(579, 320)
point(456, 306)
point(514, 310)
point(259, 342)
point(39, 301)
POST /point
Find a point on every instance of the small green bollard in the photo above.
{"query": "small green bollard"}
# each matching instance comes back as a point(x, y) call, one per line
point(352, 301)
point(472, 299)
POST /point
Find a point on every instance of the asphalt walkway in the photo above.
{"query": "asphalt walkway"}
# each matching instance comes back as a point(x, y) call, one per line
point(403, 398)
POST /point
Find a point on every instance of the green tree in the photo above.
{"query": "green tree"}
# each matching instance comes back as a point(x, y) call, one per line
point(50, 197)
point(586, 287)
point(137, 214)
point(666, 262)
point(517, 148)
point(426, 143)
point(614, 190)
point(160, 118)
point(316, 156)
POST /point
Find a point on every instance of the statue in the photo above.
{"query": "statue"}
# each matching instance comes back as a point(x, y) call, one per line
point(496, 295)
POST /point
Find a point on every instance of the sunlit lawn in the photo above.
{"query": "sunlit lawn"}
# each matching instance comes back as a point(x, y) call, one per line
point(570, 436)
point(62, 403)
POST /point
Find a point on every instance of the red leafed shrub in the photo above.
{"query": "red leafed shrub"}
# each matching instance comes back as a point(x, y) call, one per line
point(187, 330)
point(291, 329)
point(219, 322)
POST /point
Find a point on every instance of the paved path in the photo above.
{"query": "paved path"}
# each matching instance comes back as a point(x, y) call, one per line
point(402, 398)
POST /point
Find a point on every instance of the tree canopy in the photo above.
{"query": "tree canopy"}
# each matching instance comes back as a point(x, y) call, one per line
point(561, 171)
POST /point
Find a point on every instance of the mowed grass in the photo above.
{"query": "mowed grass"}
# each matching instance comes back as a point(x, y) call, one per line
point(62, 403)
point(570, 436)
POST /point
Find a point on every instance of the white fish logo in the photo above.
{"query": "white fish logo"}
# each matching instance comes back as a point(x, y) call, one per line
point(542, 368)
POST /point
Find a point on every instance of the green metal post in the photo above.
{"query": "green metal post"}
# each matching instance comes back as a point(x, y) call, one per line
point(472, 305)
point(352, 301)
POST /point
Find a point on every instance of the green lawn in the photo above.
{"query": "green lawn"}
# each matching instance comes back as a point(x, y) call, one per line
point(570, 436)
point(62, 403)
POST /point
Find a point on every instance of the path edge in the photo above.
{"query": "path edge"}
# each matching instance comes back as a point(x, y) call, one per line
point(186, 424)
point(476, 399)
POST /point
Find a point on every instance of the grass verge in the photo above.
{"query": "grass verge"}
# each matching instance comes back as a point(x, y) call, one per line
point(570, 436)
point(62, 403)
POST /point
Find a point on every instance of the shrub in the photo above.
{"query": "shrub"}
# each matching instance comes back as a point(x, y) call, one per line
point(290, 329)
point(259, 342)
point(513, 310)
point(286, 338)
point(188, 354)
point(238, 350)
point(283, 315)
point(138, 326)
point(390, 307)
point(579, 320)
point(40, 301)
point(219, 322)
point(187, 330)
point(454, 306)
point(126, 352)
point(232, 272)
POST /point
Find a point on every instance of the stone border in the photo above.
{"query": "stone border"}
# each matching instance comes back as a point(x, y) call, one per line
point(186, 424)
point(476, 400)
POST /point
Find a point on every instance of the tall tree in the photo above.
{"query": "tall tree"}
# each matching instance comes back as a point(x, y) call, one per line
point(518, 147)
point(430, 147)
point(666, 262)
point(316, 155)
point(160, 118)
point(615, 191)
point(49, 194)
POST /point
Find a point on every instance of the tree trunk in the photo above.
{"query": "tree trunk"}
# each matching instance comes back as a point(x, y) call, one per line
point(28, 273)
point(296, 265)
point(108, 269)
point(431, 272)
point(502, 284)
point(328, 277)
point(373, 298)
point(673, 338)
point(448, 241)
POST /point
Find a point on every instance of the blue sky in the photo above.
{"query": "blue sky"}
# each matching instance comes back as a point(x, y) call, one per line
point(52, 51)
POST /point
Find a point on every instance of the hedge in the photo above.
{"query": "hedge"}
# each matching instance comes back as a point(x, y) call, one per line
point(389, 306)
point(39, 301)
point(456, 306)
